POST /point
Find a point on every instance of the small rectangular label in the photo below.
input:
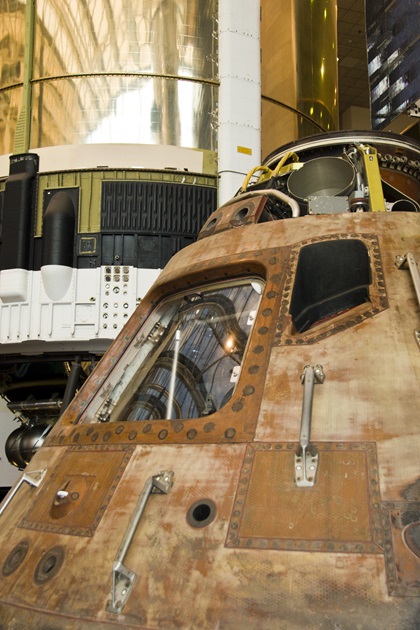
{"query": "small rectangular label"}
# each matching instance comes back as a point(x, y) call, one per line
point(245, 150)
point(87, 245)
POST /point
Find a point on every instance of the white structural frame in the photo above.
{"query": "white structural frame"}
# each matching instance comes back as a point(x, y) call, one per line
point(239, 133)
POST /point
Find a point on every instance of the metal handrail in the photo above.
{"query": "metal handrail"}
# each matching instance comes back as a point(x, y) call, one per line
point(306, 459)
point(122, 577)
point(409, 260)
point(401, 261)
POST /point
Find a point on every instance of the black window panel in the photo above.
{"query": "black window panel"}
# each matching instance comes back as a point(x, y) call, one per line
point(331, 277)
point(141, 251)
point(149, 251)
point(167, 249)
point(112, 249)
point(129, 253)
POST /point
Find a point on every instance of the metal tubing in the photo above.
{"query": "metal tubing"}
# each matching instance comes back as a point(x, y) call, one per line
point(39, 405)
point(274, 193)
point(72, 383)
point(173, 374)
point(128, 536)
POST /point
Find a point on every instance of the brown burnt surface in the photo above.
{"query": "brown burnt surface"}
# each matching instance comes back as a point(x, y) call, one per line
point(262, 552)
point(340, 513)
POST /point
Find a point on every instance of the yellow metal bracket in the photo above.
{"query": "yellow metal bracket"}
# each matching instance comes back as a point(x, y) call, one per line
point(373, 178)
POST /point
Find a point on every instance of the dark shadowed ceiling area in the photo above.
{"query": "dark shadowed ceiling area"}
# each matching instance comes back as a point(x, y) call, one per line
point(352, 56)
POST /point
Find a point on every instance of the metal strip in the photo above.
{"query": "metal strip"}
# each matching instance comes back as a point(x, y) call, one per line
point(33, 479)
point(23, 126)
point(146, 75)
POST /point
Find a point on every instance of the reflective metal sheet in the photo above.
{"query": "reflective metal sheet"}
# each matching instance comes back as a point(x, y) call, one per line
point(123, 109)
point(139, 72)
point(159, 36)
point(12, 44)
point(10, 104)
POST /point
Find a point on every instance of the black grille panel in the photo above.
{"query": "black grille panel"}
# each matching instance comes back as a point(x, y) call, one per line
point(145, 223)
point(155, 208)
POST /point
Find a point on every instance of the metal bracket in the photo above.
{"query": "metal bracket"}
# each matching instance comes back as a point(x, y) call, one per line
point(373, 176)
point(33, 479)
point(122, 577)
point(409, 260)
point(307, 457)
point(402, 262)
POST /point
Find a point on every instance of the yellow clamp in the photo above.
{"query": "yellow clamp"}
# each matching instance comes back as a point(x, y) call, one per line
point(373, 177)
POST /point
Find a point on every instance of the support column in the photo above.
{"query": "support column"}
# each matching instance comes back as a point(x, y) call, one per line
point(239, 138)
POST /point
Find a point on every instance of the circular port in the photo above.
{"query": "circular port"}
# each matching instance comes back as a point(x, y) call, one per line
point(201, 513)
point(49, 565)
point(15, 558)
point(240, 216)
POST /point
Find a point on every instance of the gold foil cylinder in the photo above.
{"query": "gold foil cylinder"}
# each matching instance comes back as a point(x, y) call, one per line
point(106, 71)
point(135, 72)
point(299, 70)
point(12, 48)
